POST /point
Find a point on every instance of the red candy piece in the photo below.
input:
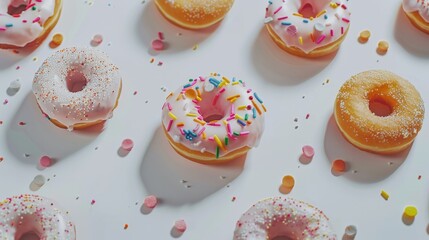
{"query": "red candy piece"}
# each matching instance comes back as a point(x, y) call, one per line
point(308, 151)
point(180, 225)
point(157, 45)
point(45, 161)
point(150, 201)
point(127, 144)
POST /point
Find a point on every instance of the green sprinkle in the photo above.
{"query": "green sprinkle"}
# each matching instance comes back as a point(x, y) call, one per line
point(236, 134)
point(33, 8)
point(191, 80)
point(246, 116)
point(226, 141)
point(217, 152)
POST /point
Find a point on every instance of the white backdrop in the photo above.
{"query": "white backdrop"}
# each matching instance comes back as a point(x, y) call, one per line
point(89, 167)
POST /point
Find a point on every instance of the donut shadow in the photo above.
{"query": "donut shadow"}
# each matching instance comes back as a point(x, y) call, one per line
point(8, 58)
point(151, 21)
point(39, 137)
point(362, 166)
point(177, 181)
point(409, 37)
point(281, 68)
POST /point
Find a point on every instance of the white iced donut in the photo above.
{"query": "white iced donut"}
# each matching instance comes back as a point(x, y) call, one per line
point(27, 214)
point(23, 22)
point(283, 217)
point(213, 119)
point(308, 28)
point(77, 87)
point(418, 12)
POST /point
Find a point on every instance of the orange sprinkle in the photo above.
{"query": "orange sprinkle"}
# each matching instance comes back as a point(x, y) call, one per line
point(383, 46)
point(364, 36)
point(56, 41)
point(288, 181)
point(339, 165)
point(256, 107)
point(125, 226)
point(191, 93)
point(1, 159)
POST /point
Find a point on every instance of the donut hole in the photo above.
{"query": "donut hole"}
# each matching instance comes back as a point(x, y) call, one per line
point(16, 10)
point(307, 11)
point(213, 110)
point(30, 236)
point(380, 107)
point(28, 227)
point(75, 80)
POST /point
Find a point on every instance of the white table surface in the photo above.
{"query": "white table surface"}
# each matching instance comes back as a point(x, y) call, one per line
point(239, 46)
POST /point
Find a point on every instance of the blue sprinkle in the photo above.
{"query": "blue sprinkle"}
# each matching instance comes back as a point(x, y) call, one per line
point(326, 17)
point(286, 23)
point(214, 81)
point(9, 25)
point(197, 87)
point(187, 85)
point(254, 112)
point(257, 98)
point(241, 122)
point(305, 21)
point(270, 2)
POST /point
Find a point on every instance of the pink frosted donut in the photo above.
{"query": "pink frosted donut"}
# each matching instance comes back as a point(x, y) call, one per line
point(308, 28)
point(33, 215)
point(283, 217)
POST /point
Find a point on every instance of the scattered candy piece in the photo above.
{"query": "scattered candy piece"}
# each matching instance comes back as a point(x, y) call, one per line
point(233, 199)
point(180, 225)
point(157, 45)
point(21, 123)
point(419, 177)
point(127, 144)
point(195, 47)
point(152, 60)
point(339, 165)
point(410, 211)
point(125, 226)
point(350, 231)
point(288, 182)
point(1, 159)
point(15, 85)
point(92, 202)
point(161, 35)
point(150, 201)
point(383, 46)
point(45, 161)
point(385, 195)
point(364, 36)
point(37, 183)
point(96, 40)
point(5, 102)
point(308, 151)
point(56, 41)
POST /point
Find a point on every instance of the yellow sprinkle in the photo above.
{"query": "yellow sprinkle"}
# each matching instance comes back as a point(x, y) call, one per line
point(410, 211)
point(239, 117)
point(311, 18)
point(219, 143)
point(300, 40)
point(321, 13)
point(225, 122)
point(242, 107)
point(180, 124)
point(169, 95)
point(385, 195)
point(297, 14)
point(263, 107)
point(232, 97)
point(191, 114)
point(172, 115)
point(195, 47)
point(198, 99)
point(257, 107)
point(226, 79)
point(333, 5)
point(199, 121)
point(204, 135)
point(235, 83)
point(221, 84)
point(198, 93)
point(233, 100)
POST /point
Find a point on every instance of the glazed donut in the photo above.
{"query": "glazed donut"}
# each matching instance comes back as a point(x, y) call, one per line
point(26, 23)
point(194, 14)
point(283, 217)
point(213, 119)
point(77, 87)
point(388, 131)
point(307, 28)
point(31, 215)
point(418, 13)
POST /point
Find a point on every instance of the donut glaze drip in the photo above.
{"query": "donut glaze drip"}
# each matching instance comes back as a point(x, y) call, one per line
point(23, 28)
point(286, 217)
point(20, 215)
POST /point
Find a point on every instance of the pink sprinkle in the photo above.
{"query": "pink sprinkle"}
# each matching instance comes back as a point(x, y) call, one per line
point(2, 29)
point(346, 20)
point(45, 161)
point(157, 45)
point(92, 202)
point(307, 116)
point(169, 106)
point(180, 129)
point(180, 225)
point(278, 10)
point(150, 201)
point(230, 118)
point(17, 67)
point(135, 93)
point(308, 151)
point(201, 131)
point(320, 39)
point(160, 63)
point(5, 101)
point(36, 19)
point(169, 125)
point(222, 90)
point(332, 32)
point(21, 123)
point(216, 97)
point(127, 144)
point(202, 79)
point(232, 111)
point(282, 18)
point(97, 40)
point(244, 133)
point(161, 36)
point(213, 124)
point(342, 30)
point(24, 21)
point(228, 127)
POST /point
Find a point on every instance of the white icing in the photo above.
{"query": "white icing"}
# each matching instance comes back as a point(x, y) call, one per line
point(30, 213)
point(94, 102)
point(422, 6)
point(179, 105)
point(286, 217)
point(330, 25)
point(18, 31)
